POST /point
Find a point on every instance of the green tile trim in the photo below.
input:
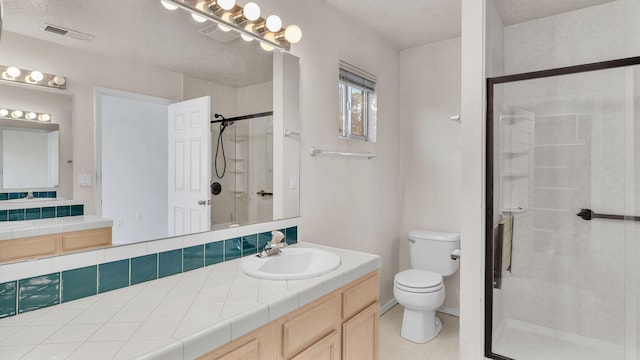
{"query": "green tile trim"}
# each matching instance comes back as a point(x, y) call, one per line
point(8, 299)
point(169, 263)
point(144, 268)
point(113, 275)
point(79, 283)
point(193, 258)
point(38, 292)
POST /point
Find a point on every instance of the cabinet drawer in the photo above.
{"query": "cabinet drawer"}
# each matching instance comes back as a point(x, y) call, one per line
point(86, 239)
point(301, 329)
point(25, 248)
point(362, 294)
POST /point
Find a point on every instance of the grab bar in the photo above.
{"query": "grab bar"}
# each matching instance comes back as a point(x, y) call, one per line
point(316, 151)
point(588, 214)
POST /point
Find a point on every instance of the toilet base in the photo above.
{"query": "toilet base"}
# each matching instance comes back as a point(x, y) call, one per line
point(420, 326)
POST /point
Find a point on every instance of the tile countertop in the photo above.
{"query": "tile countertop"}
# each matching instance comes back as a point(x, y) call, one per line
point(177, 317)
point(20, 229)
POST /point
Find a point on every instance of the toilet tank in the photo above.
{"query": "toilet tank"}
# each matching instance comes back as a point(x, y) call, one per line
point(431, 251)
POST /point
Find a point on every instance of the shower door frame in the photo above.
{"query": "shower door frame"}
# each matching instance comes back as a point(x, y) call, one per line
point(489, 161)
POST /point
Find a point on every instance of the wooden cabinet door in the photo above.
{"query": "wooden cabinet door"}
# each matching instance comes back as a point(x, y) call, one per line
point(248, 351)
point(260, 344)
point(360, 335)
point(328, 348)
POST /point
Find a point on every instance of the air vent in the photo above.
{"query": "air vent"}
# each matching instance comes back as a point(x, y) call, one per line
point(213, 32)
point(59, 30)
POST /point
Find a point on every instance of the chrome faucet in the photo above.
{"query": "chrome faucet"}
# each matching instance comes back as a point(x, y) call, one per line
point(29, 195)
point(274, 245)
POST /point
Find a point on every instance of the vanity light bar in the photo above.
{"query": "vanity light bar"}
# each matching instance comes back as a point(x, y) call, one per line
point(15, 114)
point(32, 77)
point(247, 21)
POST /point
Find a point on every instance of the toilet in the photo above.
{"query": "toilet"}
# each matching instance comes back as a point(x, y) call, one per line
point(420, 290)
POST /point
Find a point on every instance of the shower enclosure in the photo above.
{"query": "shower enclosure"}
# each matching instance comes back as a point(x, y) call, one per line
point(562, 143)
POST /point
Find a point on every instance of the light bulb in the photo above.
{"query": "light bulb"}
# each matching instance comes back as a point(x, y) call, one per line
point(274, 23)
point(4, 112)
point(13, 71)
point(227, 4)
point(266, 47)
point(16, 114)
point(36, 76)
point(30, 116)
point(251, 11)
point(293, 34)
point(249, 28)
point(59, 80)
point(198, 18)
point(167, 5)
point(44, 117)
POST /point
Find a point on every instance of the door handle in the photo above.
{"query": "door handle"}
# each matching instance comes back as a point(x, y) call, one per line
point(264, 193)
point(204, 202)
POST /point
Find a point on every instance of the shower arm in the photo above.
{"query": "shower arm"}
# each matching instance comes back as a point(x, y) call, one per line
point(238, 118)
point(588, 214)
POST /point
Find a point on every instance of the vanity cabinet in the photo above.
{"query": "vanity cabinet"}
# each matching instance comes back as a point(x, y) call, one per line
point(53, 244)
point(339, 325)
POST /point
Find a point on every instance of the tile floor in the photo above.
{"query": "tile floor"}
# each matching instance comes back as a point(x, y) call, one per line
point(393, 347)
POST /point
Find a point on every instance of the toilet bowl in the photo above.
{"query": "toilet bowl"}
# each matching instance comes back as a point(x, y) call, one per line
point(420, 290)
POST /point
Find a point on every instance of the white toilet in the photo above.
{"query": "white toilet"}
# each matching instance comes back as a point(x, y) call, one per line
point(420, 290)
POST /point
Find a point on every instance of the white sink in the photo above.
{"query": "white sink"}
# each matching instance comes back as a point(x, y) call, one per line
point(291, 264)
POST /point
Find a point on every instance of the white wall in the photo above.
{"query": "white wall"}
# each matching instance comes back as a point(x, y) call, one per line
point(346, 202)
point(430, 146)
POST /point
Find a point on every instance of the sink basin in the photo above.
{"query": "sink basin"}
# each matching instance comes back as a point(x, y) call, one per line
point(291, 264)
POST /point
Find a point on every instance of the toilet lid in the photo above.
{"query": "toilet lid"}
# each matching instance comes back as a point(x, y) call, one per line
point(418, 280)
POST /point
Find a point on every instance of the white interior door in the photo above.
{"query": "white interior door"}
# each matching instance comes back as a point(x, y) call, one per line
point(189, 166)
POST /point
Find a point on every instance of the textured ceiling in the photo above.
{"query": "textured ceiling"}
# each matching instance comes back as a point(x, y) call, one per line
point(409, 23)
point(143, 31)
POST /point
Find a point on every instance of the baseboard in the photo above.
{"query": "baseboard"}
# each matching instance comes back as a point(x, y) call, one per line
point(386, 307)
point(449, 310)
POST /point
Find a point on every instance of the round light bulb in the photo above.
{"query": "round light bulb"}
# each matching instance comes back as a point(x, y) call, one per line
point(198, 18)
point(30, 116)
point(274, 23)
point(59, 80)
point(44, 117)
point(4, 112)
point(266, 47)
point(13, 71)
point(36, 76)
point(16, 114)
point(251, 11)
point(167, 5)
point(227, 4)
point(293, 34)
point(224, 28)
point(245, 37)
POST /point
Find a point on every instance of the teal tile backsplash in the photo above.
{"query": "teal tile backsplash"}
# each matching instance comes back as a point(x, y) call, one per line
point(169, 263)
point(41, 213)
point(113, 275)
point(38, 292)
point(41, 291)
point(8, 293)
point(79, 283)
point(144, 268)
point(193, 258)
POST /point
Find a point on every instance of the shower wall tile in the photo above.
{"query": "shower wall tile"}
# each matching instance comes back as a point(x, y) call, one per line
point(113, 275)
point(38, 292)
point(8, 299)
point(79, 283)
point(562, 129)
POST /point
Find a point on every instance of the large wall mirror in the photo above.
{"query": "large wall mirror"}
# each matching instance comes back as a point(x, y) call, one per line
point(127, 64)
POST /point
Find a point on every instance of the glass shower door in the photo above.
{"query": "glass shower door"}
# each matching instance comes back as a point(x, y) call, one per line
point(564, 286)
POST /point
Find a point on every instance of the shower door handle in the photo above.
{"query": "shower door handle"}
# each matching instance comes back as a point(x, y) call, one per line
point(588, 214)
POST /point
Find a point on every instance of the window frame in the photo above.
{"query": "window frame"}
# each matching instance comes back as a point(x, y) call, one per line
point(349, 78)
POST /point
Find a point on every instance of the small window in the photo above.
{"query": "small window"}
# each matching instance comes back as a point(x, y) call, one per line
point(357, 103)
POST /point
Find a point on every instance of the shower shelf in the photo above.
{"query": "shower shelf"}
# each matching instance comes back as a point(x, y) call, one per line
point(515, 174)
point(237, 171)
point(515, 210)
point(515, 153)
point(236, 159)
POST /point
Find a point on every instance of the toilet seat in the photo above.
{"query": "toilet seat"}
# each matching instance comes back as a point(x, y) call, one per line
point(418, 281)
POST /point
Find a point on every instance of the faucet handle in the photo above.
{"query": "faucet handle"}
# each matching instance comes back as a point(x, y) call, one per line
point(277, 236)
